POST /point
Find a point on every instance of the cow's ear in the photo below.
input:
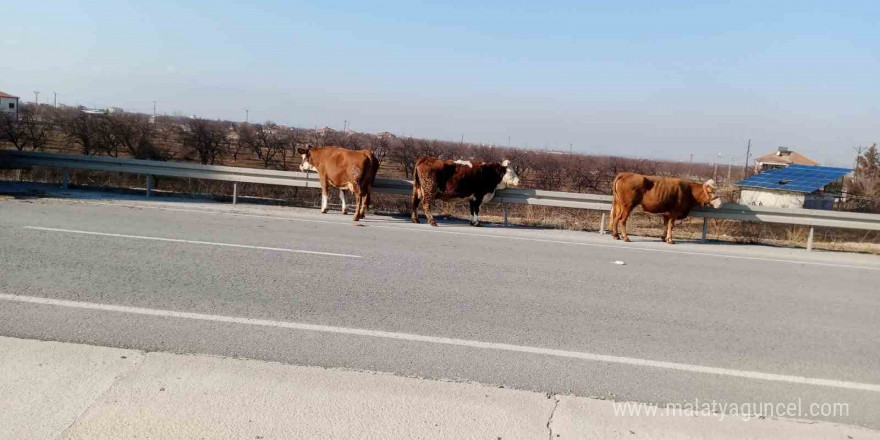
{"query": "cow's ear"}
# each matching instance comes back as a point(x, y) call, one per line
point(505, 163)
point(710, 183)
point(302, 150)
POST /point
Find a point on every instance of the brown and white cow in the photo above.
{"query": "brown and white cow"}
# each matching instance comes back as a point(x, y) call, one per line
point(476, 182)
point(673, 198)
point(343, 169)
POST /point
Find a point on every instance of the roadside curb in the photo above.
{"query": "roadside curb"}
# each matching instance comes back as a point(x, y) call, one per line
point(123, 393)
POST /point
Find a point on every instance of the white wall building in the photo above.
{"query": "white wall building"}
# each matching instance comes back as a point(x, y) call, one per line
point(794, 186)
point(8, 103)
point(785, 199)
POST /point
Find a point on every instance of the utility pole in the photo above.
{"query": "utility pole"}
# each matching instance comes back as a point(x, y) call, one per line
point(344, 125)
point(462, 140)
point(570, 149)
point(748, 154)
point(154, 110)
point(729, 166)
point(36, 97)
point(247, 115)
point(689, 165)
point(55, 100)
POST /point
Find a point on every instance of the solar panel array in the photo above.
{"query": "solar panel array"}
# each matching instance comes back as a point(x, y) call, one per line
point(797, 178)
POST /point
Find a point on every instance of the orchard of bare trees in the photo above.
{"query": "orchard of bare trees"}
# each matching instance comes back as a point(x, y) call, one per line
point(273, 146)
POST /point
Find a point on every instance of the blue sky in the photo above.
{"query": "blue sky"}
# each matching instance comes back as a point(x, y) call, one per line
point(637, 78)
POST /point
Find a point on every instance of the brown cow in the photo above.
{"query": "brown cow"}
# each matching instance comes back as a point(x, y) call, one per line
point(343, 169)
point(673, 198)
point(473, 181)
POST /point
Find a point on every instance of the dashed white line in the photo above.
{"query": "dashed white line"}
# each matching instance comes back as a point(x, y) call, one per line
point(177, 240)
point(802, 380)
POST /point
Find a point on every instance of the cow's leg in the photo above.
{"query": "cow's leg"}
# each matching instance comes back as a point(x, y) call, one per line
point(361, 207)
point(475, 212)
point(625, 210)
point(666, 227)
point(615, 213)
point(414, 203)
point(366, 201)
point(428, 192)
point(342, 199)
point(426, 206)
point(670, 222)
point(356, 189)
point(325, 193)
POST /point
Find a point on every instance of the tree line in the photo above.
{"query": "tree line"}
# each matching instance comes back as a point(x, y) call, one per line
point(273, 146)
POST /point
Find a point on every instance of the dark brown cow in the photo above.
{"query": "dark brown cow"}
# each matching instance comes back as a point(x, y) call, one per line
point(343, 169)
point(673, 198)
point(476, 182)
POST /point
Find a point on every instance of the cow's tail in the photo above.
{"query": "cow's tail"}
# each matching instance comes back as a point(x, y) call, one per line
point(416, 183)
point(370, 176)
point(615, 196)
point(372, 168)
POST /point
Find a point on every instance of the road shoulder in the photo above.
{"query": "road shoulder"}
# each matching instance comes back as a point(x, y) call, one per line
point(74, 391)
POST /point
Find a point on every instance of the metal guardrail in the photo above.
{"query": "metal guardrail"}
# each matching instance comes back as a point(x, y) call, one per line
point(731, 211)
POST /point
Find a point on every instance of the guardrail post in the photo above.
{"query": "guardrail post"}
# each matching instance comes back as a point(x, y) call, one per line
point(504, 208)
point(810, 240)
point(705, 228)
point(65, 179)
point(234, 193)
point(149, 185)
point(602, 224)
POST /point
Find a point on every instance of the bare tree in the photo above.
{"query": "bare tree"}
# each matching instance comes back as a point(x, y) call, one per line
point(12, 131)
point(582, 174)
point(382, 146)
point(135, 133)
point(403, 152)
point(83, 130)
point(549, 172)
point(26, 129)
point(292, 140)
point(268, 141)
point(107, 134)
point(36, 128)
point(241, 139)
point(208, 139)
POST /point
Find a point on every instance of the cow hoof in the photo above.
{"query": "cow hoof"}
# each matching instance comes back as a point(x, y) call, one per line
point(433, 223)
point(670, 241)
point(415, 220)
point(323, 211)
point(626, 239)
point(477, 224)
point(615, 236)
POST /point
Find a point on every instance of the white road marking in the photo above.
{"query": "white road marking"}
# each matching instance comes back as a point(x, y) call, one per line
point(414, 228)
point(177, 240)
point(833, 383)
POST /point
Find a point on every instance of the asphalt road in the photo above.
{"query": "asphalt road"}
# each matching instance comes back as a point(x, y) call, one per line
point(530, 309)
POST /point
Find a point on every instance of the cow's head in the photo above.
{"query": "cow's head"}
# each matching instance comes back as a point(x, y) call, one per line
point(306, 154)
point(711, 197)
point(510, 178)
